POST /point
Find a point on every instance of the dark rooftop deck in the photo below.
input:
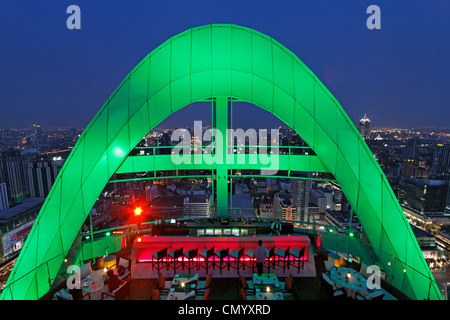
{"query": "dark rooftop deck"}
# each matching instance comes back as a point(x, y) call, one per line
point(227, 287)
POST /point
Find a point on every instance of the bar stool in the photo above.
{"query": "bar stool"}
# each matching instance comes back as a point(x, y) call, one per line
point(175, 255)
point(270, 255)
point(190, 255)
point(159, 255)
point(222, 254)
point(280, 253)
point(249, 254)
point(206, 254)
point(299, 254)
point(237, 256)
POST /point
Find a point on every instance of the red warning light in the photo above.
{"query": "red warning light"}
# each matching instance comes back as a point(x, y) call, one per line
point(137, 211)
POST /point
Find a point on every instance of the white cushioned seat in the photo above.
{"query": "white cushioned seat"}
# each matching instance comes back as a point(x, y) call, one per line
point(336, 292)
point(329, 281)
point(374, 295)
point(329, 264)
point(363, 271)
point(124, 263)
point(63, 294)
point(85, 270)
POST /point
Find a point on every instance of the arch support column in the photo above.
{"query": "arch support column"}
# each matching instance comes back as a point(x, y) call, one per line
point(222, 120)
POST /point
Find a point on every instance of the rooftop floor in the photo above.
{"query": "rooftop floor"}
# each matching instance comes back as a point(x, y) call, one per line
point(225, 286)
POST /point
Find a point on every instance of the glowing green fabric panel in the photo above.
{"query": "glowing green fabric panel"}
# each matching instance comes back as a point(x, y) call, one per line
point(198, 64)
point(164, 162)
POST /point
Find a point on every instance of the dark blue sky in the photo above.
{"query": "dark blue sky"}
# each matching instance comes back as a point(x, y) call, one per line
point(399, 75)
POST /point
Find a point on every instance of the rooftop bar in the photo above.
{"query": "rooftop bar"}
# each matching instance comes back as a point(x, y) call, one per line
point(145, 246)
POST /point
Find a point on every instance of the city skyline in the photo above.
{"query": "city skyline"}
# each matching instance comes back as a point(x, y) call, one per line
point(119, 187)
point(392, 74)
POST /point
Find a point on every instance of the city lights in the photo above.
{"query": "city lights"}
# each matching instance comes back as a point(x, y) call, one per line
point(346, 191)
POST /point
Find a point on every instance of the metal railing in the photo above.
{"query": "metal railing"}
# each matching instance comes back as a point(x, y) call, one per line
point(237, 149)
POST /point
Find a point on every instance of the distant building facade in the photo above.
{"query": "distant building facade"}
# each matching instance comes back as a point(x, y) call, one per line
point(4, 203)
point(283, 207)
point(440, 167)
point(425, 196)
point(41, 176)
point(300, 197)
point(13, 172)
point(197, 206)
point(151, 193)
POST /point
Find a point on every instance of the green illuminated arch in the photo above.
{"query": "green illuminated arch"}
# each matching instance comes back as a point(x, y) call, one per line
point(199, 64)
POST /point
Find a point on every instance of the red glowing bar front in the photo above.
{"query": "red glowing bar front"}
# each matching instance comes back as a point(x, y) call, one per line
point(146, 245)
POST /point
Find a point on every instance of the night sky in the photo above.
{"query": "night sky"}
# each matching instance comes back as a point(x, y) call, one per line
point(399, 75)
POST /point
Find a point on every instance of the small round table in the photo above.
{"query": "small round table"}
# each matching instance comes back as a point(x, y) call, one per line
point(97, 286)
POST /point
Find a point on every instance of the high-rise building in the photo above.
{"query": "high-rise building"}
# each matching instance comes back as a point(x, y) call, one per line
point(36, 136)
point(37, 130)
point(425, 196)
point(300, 197)
point(164, 141)
point(72, 134)
point(364, 127)
point(283, 206)
point(440, 167)
point(317, 196)
point(41, 176)
point(13, 172)
point(4, 203)
point(414, 168)
point(411, 149)
point(151, 193)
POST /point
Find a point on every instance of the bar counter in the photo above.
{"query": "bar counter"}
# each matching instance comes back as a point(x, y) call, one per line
point(145, 245)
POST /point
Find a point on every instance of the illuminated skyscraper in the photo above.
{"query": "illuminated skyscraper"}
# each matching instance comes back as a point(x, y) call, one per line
point(36, 137)
point(364, 127)
point(300, 197)
point(440, 168)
